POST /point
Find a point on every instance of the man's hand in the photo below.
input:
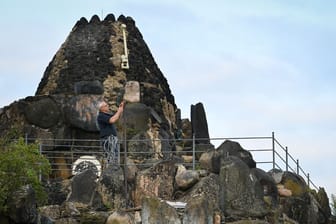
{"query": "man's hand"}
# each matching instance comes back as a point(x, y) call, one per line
point(117, 115)
point(122, 105)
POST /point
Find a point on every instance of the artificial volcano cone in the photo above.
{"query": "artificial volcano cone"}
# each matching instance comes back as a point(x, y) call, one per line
point(107, 60)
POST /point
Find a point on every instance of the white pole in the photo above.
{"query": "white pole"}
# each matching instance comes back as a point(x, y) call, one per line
point(124, 57)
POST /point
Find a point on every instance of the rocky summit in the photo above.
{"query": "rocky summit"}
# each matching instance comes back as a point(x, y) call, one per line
point(91, 65)
point(154, 182)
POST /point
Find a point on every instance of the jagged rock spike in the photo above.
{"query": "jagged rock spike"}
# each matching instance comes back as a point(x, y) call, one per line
point(122, 19)
point(95, 19)
point(110, 18)
point(82, 22)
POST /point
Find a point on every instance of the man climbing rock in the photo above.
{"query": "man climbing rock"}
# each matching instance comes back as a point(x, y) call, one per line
point(108, 132)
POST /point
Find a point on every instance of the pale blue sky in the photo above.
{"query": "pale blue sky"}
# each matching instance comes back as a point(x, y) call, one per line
point(256, 65)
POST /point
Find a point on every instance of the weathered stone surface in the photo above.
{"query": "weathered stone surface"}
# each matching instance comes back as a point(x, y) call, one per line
point(208, 186)
point(67, 220)
point(152, 144)
point(12, 117)
point(323, 201)
point(131, 170)
point(231, 148)
point(136, 117)
point(241, 194)
point(69, 209)
point(276, 174)
point(199, 210)
point(132, 92)
point(89, 87)
point(303, 209)
point(110, 18)
point(119, 217)
point(199, 124)
point(93, 217)
point(201, 148)
point(268, 184)
point(45, 220)
point(42, 111)
point(111, 187)
point(211, 159)
point(81, 111)
point(83, 189)
point(57, 190)
point(86, 47)
point(156, 211)
point(22, 207)
point(185, 178)
point(288, 220)
point(92, 55)
point(186, 132)
point(206, 161)
point(51, 211)
point(141, 147)
point(157, 181)
point(249, 221)
point(87, 65)
point(294, 183)
point(166, 142)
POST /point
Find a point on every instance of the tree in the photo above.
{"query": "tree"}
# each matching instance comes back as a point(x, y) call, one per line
point(21, 164)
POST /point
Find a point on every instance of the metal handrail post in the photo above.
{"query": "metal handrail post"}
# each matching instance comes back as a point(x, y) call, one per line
point(125, 159)
point(193, 149)
point(273, 149)
point(308, 180)
point(40, 149)
point(286, 158)
point(297, 166)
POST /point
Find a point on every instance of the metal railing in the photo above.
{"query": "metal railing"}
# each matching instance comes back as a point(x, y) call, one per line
point(68, 156)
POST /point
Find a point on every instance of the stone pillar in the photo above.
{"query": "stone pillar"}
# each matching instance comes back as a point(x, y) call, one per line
point(199, 123)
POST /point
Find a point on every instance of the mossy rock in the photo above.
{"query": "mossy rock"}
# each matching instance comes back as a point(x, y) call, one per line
point(295, 183)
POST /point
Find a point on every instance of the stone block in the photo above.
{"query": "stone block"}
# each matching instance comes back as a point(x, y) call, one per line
point(132, 92)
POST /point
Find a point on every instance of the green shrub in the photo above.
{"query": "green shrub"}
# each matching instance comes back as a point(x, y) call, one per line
point(21, 164)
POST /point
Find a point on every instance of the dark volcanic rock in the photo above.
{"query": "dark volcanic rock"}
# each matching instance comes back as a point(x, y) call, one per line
point(22, 206)
point(157, 181)
point(136, 116)
point(86, 69)
point(303, 209)
point(91, 55)
point(42, 112)
point(241, 194)
point(84, 189)
point(81, 111)
point(234, 149)
point(111, 187)
point(89, 87)
point(199, 124)
point(212, 159)
point(268, 184)
point(85, 56)
point(156, 211)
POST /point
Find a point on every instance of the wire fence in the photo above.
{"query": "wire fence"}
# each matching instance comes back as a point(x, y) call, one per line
point(70, 156)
